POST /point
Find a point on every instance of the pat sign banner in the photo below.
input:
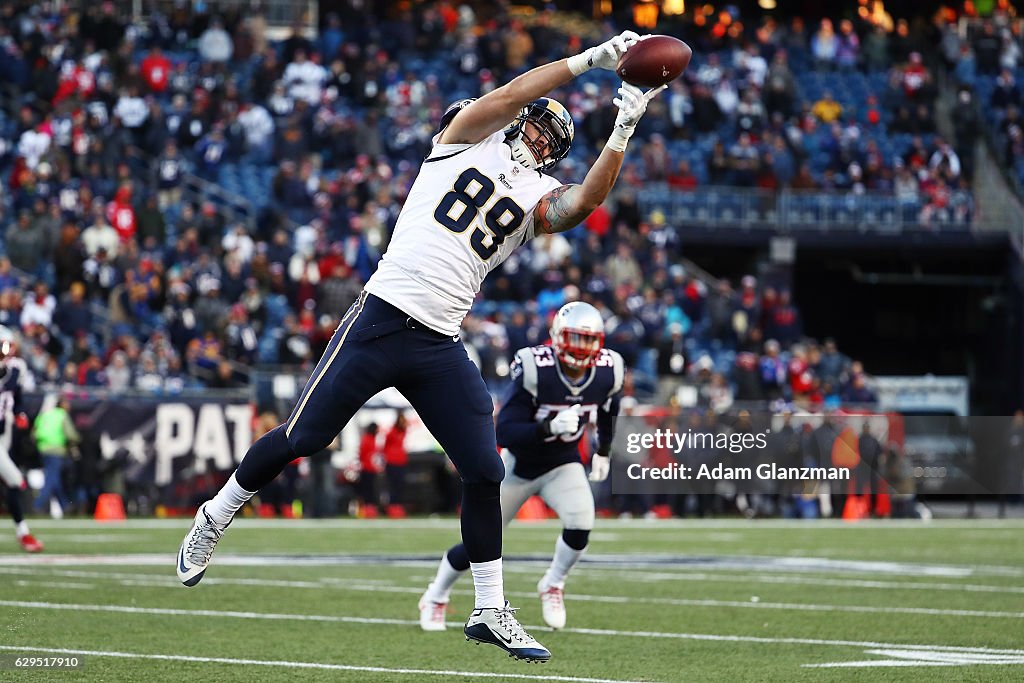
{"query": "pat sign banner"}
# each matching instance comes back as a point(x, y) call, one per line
point(161, 439)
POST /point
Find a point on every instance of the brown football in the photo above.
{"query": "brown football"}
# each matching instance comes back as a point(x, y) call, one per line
point(654, 61)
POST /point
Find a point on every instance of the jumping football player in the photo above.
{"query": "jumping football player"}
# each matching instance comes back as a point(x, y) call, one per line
point(481, 193)
point(14, 378)
point(556, 391)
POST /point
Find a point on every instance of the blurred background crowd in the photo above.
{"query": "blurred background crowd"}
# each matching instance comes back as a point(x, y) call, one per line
point(186, 197)
point(120, 274)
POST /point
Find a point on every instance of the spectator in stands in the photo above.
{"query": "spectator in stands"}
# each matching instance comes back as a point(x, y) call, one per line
point(682, 178)
point(73, 316)
point(847, 47)
point(987, 48)
point(38, 308)
point(827, 109)
point(825, 46)
point(622, 267)
point(1006, 92)
point(215, 43)
point(24, 243)
point(706, 112)
point(304, 78)
point(744, 161)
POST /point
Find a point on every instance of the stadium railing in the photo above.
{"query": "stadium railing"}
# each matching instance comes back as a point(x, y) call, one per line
point(751, 208)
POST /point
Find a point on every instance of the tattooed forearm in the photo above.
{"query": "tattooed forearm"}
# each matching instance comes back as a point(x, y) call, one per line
point(560, 210)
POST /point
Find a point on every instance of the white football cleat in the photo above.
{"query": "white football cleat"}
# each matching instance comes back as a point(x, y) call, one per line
point(552, 605)
point(197, 548)
point(499, 626)
point(432, 614)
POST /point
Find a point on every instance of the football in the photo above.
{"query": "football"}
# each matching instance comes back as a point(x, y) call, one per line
point(654, 61)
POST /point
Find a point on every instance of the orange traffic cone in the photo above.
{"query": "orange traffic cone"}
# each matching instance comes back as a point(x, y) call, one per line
point(533, 510)
point(109, 508)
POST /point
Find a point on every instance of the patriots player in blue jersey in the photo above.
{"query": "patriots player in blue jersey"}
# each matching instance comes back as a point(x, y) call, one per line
point(14, 378)
point(482, 192)
point(556, 392)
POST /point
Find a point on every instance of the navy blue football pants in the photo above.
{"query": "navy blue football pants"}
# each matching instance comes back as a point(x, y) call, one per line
point(377, 346)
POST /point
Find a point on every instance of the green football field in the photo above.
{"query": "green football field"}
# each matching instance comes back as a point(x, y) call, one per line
point(680, 600)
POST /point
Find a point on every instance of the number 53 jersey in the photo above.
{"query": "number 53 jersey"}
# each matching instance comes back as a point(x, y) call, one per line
point(539, 391)
point(470, 207)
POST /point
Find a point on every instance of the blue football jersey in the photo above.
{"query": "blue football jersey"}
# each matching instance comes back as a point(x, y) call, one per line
point(14, 378)
point(541, 389)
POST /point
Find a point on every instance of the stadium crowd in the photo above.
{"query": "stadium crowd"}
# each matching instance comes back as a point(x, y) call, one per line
point(118, 275)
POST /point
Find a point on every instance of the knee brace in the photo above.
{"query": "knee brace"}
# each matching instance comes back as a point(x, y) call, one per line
point(576, 538)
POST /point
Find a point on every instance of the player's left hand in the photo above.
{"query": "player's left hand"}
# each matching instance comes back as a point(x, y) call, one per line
point(603, 56)
point(21, 421)
point(600, 465)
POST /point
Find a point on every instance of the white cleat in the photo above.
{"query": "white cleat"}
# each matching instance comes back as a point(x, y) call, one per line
point(552, 605)
point(197, 548)
point(432, 614)
point(500, 627)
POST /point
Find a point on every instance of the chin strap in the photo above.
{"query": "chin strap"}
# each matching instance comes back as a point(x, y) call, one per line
point(522, 154)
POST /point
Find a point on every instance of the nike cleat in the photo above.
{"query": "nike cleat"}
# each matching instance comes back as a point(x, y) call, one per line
point(197, 548)
point(552, 605)
point(29, 544)
point(500, 627)
point(432, 614)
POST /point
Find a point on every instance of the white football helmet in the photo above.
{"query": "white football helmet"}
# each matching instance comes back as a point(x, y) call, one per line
point(577, 334)
point(550, 144)
point(8, 343)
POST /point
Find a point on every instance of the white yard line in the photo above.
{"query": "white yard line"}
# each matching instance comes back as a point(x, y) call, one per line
point(306, 665)
point(54, 584)
point(388, 587)
point(756, 577)
point(608, 561)
point(230, 614)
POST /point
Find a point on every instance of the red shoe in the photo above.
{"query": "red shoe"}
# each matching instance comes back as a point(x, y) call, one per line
point(29, 544)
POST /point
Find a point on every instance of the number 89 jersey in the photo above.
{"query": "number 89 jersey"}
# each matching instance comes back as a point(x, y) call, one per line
point(470, 207)
point(540, 389)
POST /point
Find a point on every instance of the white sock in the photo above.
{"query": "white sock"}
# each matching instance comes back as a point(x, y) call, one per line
point(565, 559)
point(21, 529)
point(487, 579)
point(440, 589)
point(226, 503)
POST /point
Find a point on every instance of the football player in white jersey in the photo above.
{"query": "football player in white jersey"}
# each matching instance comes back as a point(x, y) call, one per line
point(482, 192)
point(14, 378)
point(556, 391)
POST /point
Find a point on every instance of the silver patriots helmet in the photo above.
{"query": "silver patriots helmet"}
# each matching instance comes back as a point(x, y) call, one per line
point(577, 334)
point(549, 142)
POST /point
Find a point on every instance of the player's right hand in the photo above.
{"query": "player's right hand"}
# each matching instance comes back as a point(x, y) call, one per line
point(603, 56)
point(565, 422)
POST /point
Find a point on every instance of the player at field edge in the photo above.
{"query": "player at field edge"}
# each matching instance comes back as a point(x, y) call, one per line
point(556, 392)
point(484, 193)
point(14, 379)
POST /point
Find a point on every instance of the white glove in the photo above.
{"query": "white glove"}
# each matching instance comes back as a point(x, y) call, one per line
point(603, 56)
point(565, 422)
point(632, 103)
point(599, 467)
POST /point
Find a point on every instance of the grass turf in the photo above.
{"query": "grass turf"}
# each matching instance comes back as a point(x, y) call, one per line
point(716, 601)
